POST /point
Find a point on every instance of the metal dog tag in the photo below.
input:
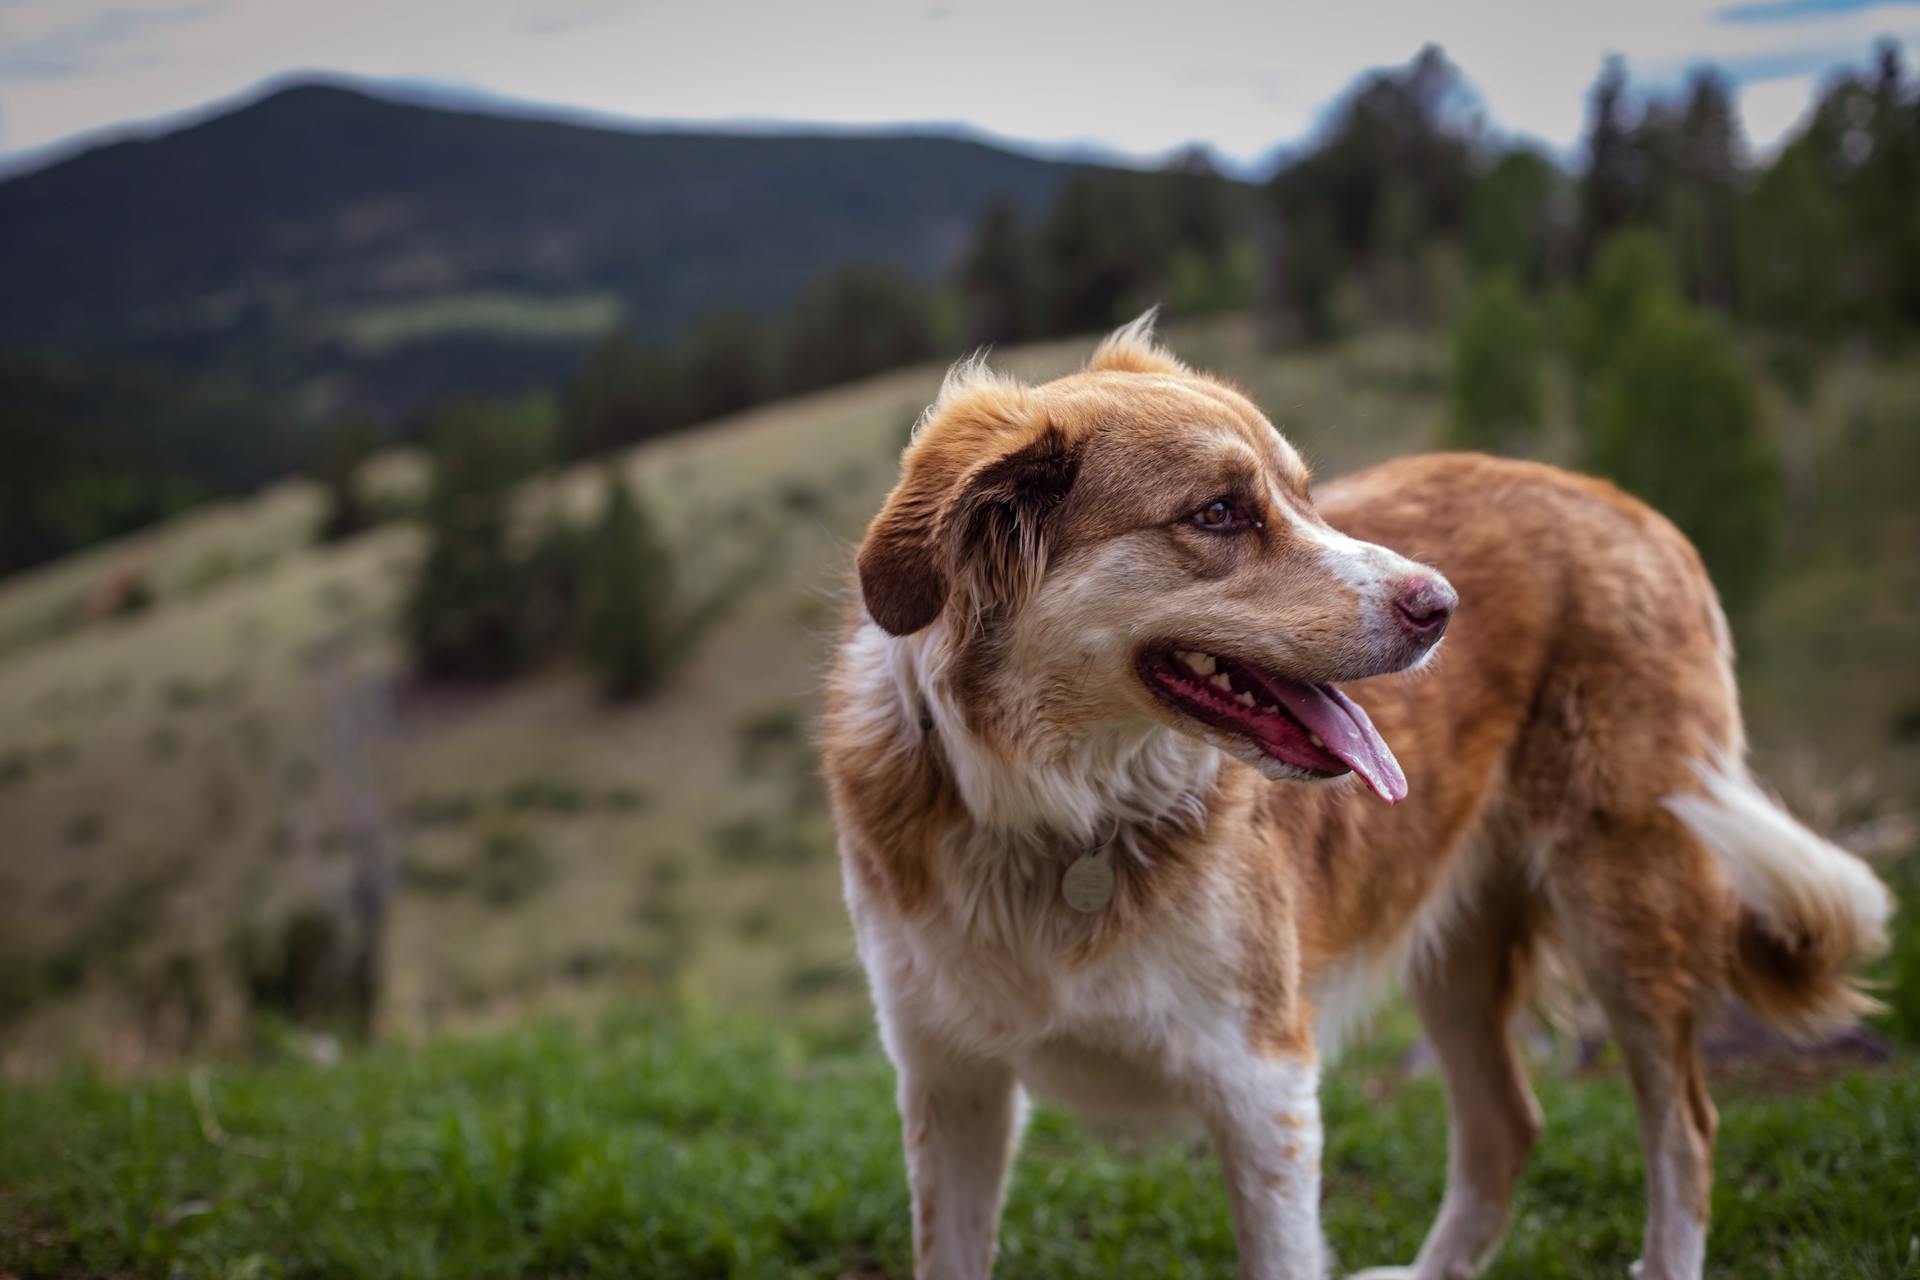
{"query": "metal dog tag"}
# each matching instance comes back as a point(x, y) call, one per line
point(1088, 885)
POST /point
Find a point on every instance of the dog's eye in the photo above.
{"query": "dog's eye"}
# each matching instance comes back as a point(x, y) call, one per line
point(1217, 515)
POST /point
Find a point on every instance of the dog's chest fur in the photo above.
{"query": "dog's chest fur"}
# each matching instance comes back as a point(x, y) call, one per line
point(1103, 1023)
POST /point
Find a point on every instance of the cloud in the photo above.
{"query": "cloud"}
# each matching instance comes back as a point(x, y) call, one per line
point(558, 19)
point(107, 38)
point(1803, 10)
point(1771, 108)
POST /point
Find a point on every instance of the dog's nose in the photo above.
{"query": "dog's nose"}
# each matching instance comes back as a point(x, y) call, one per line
point(1423, 606)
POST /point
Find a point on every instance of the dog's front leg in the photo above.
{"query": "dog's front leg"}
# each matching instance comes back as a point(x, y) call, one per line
point(1266, 1126)
point(960, 1119)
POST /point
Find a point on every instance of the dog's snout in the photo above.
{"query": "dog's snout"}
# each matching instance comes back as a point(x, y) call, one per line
point(1424, 606)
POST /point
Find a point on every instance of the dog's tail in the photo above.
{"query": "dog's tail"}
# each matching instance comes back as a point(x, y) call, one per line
point(1809, 911)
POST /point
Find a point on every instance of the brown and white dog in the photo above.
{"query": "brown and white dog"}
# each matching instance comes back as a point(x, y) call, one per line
point(1107, 618)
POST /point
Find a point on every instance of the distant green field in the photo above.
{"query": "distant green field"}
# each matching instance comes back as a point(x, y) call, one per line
point(693, 1145)
point(376, 328)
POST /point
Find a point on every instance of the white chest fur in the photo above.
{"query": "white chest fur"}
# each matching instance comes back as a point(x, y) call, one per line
point(1118, 1032)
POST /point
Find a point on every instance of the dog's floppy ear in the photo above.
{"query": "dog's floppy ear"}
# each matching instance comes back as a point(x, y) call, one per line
point(982, 530)
point(1001, 529)
point(901, 577)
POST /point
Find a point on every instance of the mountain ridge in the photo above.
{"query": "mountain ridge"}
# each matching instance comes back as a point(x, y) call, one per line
point(251, 240)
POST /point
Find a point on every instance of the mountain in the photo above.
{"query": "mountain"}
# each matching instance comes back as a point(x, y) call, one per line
point(386, 253)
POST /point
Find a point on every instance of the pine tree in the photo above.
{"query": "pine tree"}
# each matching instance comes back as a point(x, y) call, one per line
point(627, 600)
point(1703, 190)
point(469, 614)
point(1607, 191)
point(623, 392)
point(725, 365)
point(857, 321)
point(999, 279)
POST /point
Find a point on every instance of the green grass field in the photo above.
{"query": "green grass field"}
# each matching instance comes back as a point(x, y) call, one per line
point(706, 1146)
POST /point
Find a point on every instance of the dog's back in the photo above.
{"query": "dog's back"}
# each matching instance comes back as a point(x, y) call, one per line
point(1579, 739)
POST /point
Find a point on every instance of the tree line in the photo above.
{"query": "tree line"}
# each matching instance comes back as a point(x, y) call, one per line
point(1400, 202)
point(1112, 243)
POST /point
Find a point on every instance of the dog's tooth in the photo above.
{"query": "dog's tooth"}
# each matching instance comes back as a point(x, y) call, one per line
point(1202, 663)
point(1314, 738)
point(1221, 682)
point(1267, 708)
point(1244, 699)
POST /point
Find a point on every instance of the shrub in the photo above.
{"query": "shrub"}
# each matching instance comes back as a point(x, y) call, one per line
point(760, 841)
point(626, 599)
point(1494, 378)
point(182, 693)
point(425, 875)
point(1632, 272)
point(434, 808)
point(306, 967)
point(769, 735)
point(622, 798)
point(545, 795)
point(1677, 424)
point(510, 868)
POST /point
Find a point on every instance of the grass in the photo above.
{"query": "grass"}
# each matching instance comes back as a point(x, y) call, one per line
point(690, 1145)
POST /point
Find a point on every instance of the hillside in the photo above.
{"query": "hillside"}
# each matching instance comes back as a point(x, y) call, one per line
point(168, 778)
point(393, 249)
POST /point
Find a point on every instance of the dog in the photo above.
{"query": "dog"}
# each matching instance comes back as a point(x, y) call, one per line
point(1107, 738)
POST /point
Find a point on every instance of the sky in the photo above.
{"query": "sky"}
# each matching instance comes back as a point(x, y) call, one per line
point(1137, 78)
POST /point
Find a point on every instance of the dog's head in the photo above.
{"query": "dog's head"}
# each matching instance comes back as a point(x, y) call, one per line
point(1134, 542)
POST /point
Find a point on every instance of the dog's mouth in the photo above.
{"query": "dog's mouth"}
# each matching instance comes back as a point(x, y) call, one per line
point(1314, 730)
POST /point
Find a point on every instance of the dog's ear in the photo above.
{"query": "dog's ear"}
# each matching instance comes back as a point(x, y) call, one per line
point(902, 579)
point(985, 532)
point(1002, 527)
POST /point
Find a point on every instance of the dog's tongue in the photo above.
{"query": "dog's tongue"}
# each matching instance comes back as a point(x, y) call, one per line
point(1343, 725)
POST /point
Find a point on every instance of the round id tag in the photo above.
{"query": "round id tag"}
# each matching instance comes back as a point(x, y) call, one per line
point(1088, 884)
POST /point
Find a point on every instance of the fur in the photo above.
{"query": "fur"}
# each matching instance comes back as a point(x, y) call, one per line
point(1573, 796)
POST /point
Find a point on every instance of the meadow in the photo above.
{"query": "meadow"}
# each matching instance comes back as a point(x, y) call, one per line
point(180, 776)
point(694, 1144)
